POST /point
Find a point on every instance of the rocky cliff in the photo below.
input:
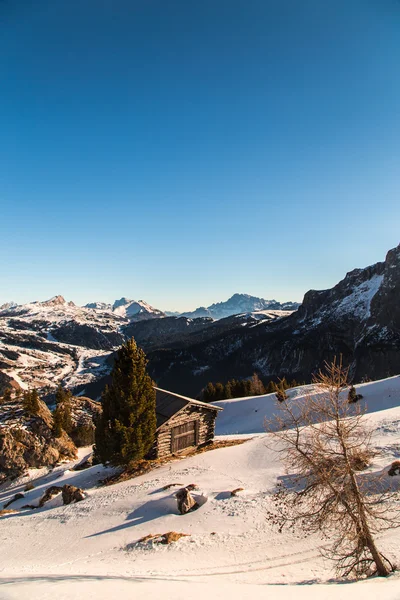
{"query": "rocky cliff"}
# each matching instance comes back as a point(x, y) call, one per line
point(28, 441)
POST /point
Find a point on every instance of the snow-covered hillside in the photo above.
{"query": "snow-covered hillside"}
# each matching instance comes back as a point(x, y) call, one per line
point(45, 343)
point(91, 549)
point(248, 415)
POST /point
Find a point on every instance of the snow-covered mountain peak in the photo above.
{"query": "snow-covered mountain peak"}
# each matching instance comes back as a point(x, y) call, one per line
point(136, 309)
point(239, 304)
point(121, 302)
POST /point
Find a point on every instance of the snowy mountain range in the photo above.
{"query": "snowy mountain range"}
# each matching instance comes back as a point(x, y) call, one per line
point(43, 343)
point(133, 310)
point(238, 304)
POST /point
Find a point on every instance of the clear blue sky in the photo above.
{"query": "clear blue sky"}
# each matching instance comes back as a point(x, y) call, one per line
point(180, 151)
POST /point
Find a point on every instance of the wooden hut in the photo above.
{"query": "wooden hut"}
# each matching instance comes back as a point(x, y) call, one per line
point(182, 423)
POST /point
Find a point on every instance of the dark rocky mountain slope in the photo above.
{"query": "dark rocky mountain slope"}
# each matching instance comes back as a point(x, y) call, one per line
point(358, 318)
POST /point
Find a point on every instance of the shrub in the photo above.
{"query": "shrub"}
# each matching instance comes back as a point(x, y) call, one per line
point(83, 435)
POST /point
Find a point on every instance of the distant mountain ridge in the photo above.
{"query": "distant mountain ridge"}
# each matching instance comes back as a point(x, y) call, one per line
point(239, 304)
point(43, 343)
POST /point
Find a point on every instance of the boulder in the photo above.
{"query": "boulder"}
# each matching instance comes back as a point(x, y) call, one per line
point(186, 502)
point(71, 494)
point(49, 494)
point(394, 469)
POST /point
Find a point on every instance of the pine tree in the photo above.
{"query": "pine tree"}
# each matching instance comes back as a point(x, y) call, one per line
point(257, 386)
point(35, 406)
point(126, 429)
point(228, 390)
point(57, 422)
point(209, 392)
point(62, 415)
point(271, 387)
point(30, 402)
point(62, 395)
point(219, 391)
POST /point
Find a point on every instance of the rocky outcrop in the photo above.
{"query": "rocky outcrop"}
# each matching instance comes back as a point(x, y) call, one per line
point(72, 494)
point(52, 491)
point(84, 412)
point(7, 382)
point(186, 502)
point(28, 441)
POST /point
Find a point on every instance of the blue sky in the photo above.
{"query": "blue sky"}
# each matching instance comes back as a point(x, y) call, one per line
point(182, 151)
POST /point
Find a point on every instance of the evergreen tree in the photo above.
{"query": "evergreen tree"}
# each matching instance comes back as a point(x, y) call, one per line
point(35, 402)
point(219, 391)
point(271, 387)
point(30, 402)
point(58, 422)
point(63, 395)
point(126, 428)
point(257, 386)
point(62, 416)
point(209, 392)
point(228, 390)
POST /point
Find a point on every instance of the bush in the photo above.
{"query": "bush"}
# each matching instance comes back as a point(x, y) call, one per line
point(394, 469)
point(352, 396)
point(83, 435)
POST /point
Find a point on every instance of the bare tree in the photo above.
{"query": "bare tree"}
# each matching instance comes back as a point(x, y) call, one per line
point(325, 443)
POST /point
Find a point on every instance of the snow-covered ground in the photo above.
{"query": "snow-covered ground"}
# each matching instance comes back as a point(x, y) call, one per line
point(90, 549)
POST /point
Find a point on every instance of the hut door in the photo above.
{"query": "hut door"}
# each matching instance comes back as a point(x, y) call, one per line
point(183, 436)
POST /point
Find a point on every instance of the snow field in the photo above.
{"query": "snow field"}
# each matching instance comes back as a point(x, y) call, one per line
point(90, 549)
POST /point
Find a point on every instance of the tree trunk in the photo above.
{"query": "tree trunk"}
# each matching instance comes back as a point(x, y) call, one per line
point(381, 568)
point(365, 532)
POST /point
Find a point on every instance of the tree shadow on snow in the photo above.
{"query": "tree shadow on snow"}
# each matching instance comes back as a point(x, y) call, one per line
point(223, 496)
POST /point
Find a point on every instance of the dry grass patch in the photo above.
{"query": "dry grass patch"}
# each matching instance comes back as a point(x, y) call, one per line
point(164, 538)
point(7, 511)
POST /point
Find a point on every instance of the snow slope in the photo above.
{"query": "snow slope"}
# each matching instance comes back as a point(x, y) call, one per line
point(90, 549)
point(247, 415)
